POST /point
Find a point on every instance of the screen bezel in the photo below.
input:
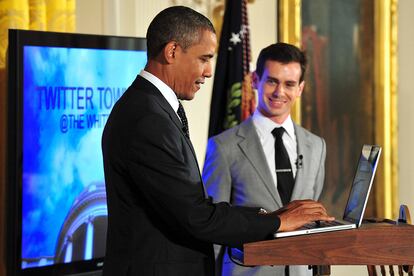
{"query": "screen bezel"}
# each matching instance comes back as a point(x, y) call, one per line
point(18, 39)
point(371, 148)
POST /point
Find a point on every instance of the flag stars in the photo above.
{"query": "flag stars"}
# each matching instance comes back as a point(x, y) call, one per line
point(243, 31)
point(235, 38)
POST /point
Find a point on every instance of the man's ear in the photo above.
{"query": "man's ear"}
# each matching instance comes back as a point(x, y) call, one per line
point(255, 80)
point(169, 51)
point(301, 86)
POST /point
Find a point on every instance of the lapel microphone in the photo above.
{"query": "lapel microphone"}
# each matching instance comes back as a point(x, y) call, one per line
point(299, 161)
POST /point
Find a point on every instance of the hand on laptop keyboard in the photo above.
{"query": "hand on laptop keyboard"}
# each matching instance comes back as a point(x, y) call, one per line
point(300, 212)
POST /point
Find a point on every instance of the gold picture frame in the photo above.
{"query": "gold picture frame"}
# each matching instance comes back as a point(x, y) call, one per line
point(384, 88)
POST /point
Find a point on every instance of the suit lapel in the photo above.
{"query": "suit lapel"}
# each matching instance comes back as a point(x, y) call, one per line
point(146, 86)
point(253, 151)
point(304, 149)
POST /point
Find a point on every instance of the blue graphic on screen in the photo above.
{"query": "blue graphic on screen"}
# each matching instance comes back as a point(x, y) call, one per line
point(68, 95)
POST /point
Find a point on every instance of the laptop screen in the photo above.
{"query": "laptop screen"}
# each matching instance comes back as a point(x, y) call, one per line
point(362, 183)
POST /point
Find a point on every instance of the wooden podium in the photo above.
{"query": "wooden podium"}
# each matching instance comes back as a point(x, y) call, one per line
point(371, 244)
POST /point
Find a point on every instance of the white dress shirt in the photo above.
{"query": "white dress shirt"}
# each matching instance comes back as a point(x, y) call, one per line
point(264, 127)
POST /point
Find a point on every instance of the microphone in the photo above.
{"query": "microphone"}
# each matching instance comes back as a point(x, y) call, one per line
point(299, 161)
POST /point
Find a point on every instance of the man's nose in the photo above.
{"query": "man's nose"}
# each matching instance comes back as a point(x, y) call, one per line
point(278, 90)
point(208, 72)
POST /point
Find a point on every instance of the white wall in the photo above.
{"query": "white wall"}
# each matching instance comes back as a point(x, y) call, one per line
point(131, 18)
point(405, 103)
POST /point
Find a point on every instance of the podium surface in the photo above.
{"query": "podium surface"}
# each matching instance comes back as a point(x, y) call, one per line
point(371, 244)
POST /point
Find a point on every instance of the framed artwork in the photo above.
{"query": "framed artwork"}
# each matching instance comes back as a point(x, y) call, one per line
point(350, 92)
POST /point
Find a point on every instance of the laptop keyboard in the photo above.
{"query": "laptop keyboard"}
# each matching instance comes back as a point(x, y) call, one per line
point(320, 224)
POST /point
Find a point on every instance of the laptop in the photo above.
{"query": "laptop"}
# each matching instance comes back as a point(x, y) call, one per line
point(357, 199)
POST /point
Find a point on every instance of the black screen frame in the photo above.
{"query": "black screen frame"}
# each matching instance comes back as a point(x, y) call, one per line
point(17, 40)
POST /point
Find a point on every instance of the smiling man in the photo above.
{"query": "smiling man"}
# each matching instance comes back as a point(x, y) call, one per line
point(267, 160)
point(160, 221)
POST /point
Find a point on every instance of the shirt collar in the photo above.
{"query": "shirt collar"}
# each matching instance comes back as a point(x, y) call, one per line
point(264, 125)
point(165, 90)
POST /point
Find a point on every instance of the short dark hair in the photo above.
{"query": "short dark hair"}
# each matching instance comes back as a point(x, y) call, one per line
point(283, 53)
point(177, 23)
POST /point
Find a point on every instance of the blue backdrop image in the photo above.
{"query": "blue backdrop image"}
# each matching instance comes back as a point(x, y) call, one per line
point(68, 95)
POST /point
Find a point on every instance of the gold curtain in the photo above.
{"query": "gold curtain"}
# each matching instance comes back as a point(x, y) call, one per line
point(43, 15)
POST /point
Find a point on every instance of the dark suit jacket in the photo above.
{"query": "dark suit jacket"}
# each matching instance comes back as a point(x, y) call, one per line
point(160, 221)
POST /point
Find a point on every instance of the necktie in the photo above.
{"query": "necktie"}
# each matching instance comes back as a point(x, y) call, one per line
point(284, 175)
point(184, 122)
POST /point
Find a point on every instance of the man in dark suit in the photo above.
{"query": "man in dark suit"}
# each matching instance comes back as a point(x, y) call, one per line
point(160, 221)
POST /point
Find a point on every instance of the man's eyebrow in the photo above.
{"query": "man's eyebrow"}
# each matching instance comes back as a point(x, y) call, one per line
point(208, 56)
point(276, 79)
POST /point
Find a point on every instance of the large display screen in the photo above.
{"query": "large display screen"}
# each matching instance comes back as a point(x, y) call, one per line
point(64, 100)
